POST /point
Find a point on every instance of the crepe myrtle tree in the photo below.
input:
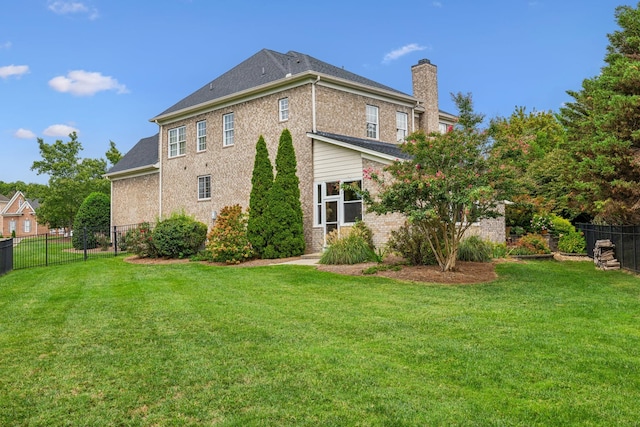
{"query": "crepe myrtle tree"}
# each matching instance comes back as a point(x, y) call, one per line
point(444, 186)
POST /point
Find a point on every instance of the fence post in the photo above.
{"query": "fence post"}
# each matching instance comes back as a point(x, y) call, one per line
point(46, 249)
point(84, 242)
point(115, 240)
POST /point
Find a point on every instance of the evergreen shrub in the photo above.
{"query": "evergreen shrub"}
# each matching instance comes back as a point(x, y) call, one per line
point(410, 242)
point(179, 236)
point(94, 215)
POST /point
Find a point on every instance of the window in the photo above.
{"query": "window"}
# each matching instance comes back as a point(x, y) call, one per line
point(177, 141)
point(401, 125)
point(227, 121)
point(372, 122)
point(336, 204)
point(444, 127)
point(27, 226)
point(12, 227)
point(201, 128)
point(283, 108)
point(352, 202)
point(204, 187)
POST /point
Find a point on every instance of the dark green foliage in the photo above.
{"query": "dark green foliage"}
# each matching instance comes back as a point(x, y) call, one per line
point(283, 218)
point(261, 183)
point(410, 242)
point(352, 248)
point(179, 236)
point(94, 216)
point(227, 241)
point(473, 248)
point(365, 232)
point(139, 242)
point(602, 129)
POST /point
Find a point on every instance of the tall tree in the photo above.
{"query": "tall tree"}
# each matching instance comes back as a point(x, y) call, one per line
point(71, 180)
point(603, 128)
point(284, 213)
point(261, 183)
point(445, 185)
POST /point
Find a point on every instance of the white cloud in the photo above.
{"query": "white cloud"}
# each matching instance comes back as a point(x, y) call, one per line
point(404, 50)
point(85, 83)
point(69, 7)
point(13, 70)
point(5, 45)
point(59, 130)
point(24, 134)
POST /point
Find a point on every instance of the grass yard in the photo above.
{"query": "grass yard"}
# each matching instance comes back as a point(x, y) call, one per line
point(107, 343)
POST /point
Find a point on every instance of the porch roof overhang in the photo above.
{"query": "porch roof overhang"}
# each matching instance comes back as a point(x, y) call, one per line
point(378, 150)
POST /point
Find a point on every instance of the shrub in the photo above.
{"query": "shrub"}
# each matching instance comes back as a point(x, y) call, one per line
point(178, 236)
point(261, 182)
point(499, 250)
point(541, 223)
point(365, 232)
point(473, 248)
point(560, 226)
point(410, 242)
point(139, 241)
point(349, 249)
point(94, 215)
point(228, 241)
point(531, 244)
point(573, 243)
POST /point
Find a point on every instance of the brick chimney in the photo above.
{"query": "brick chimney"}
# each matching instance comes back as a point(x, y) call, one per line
point(425, 88)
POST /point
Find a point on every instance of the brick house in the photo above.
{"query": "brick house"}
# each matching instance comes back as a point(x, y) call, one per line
point(18, 215)
point(341, 123)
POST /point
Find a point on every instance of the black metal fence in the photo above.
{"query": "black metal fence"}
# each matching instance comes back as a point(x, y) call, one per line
point(6, 255)
point(625, 237)
point(61, 248)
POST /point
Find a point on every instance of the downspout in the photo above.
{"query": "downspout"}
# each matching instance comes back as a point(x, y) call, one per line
point(160, 171)
point(313, 104)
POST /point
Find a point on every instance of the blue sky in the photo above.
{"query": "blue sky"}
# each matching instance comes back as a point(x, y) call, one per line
point(104, 67)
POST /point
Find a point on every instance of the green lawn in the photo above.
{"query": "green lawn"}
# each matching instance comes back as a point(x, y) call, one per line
point(106, 343)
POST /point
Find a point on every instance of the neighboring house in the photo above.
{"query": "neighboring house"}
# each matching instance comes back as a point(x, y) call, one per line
point(19, 215)
point(341, 124)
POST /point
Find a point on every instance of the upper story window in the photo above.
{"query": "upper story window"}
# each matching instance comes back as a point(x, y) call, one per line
point(402, 125)
point(283, 109)
point(177, 141)
point(201, 129)
point(228, 126)
point(372, 122)
point(204, 187)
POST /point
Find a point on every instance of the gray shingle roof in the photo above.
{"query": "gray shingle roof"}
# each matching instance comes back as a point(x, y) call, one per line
point(144, 153)
point(378, 146)
point(264, 67)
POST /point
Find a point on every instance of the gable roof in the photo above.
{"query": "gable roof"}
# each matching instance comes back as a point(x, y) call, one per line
point(265, 67)
point(3, 198)
point(377, 148)
point(143, 156)
point(28, 205)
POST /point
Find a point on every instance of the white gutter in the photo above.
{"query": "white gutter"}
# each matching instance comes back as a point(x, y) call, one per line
point(160, 170)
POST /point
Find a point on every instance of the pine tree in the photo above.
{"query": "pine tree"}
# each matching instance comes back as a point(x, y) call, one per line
point(261, 183)
point(603, 131)
point(284, 213)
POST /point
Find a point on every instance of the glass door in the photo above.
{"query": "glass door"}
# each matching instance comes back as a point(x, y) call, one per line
point(331, 216)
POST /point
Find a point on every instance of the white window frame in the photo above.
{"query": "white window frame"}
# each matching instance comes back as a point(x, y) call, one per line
point(228, 127)
point(283, 109)
point(27, 226)
point(177, 141)
point(372, 115)
point(201, 135)
point(320, 197)
point(402, 125)
point(204, 187)
point(12, 226)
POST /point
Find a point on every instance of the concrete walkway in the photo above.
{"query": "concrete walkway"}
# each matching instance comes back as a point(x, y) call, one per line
point(307, 259)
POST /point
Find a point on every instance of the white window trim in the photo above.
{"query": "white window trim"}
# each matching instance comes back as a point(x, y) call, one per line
point(177, 142)
point(283, 113)
point(375, 123)
point(204, 180)
point(317, 221)
point(201, 138)
point(228, 134)
point(405, 129)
